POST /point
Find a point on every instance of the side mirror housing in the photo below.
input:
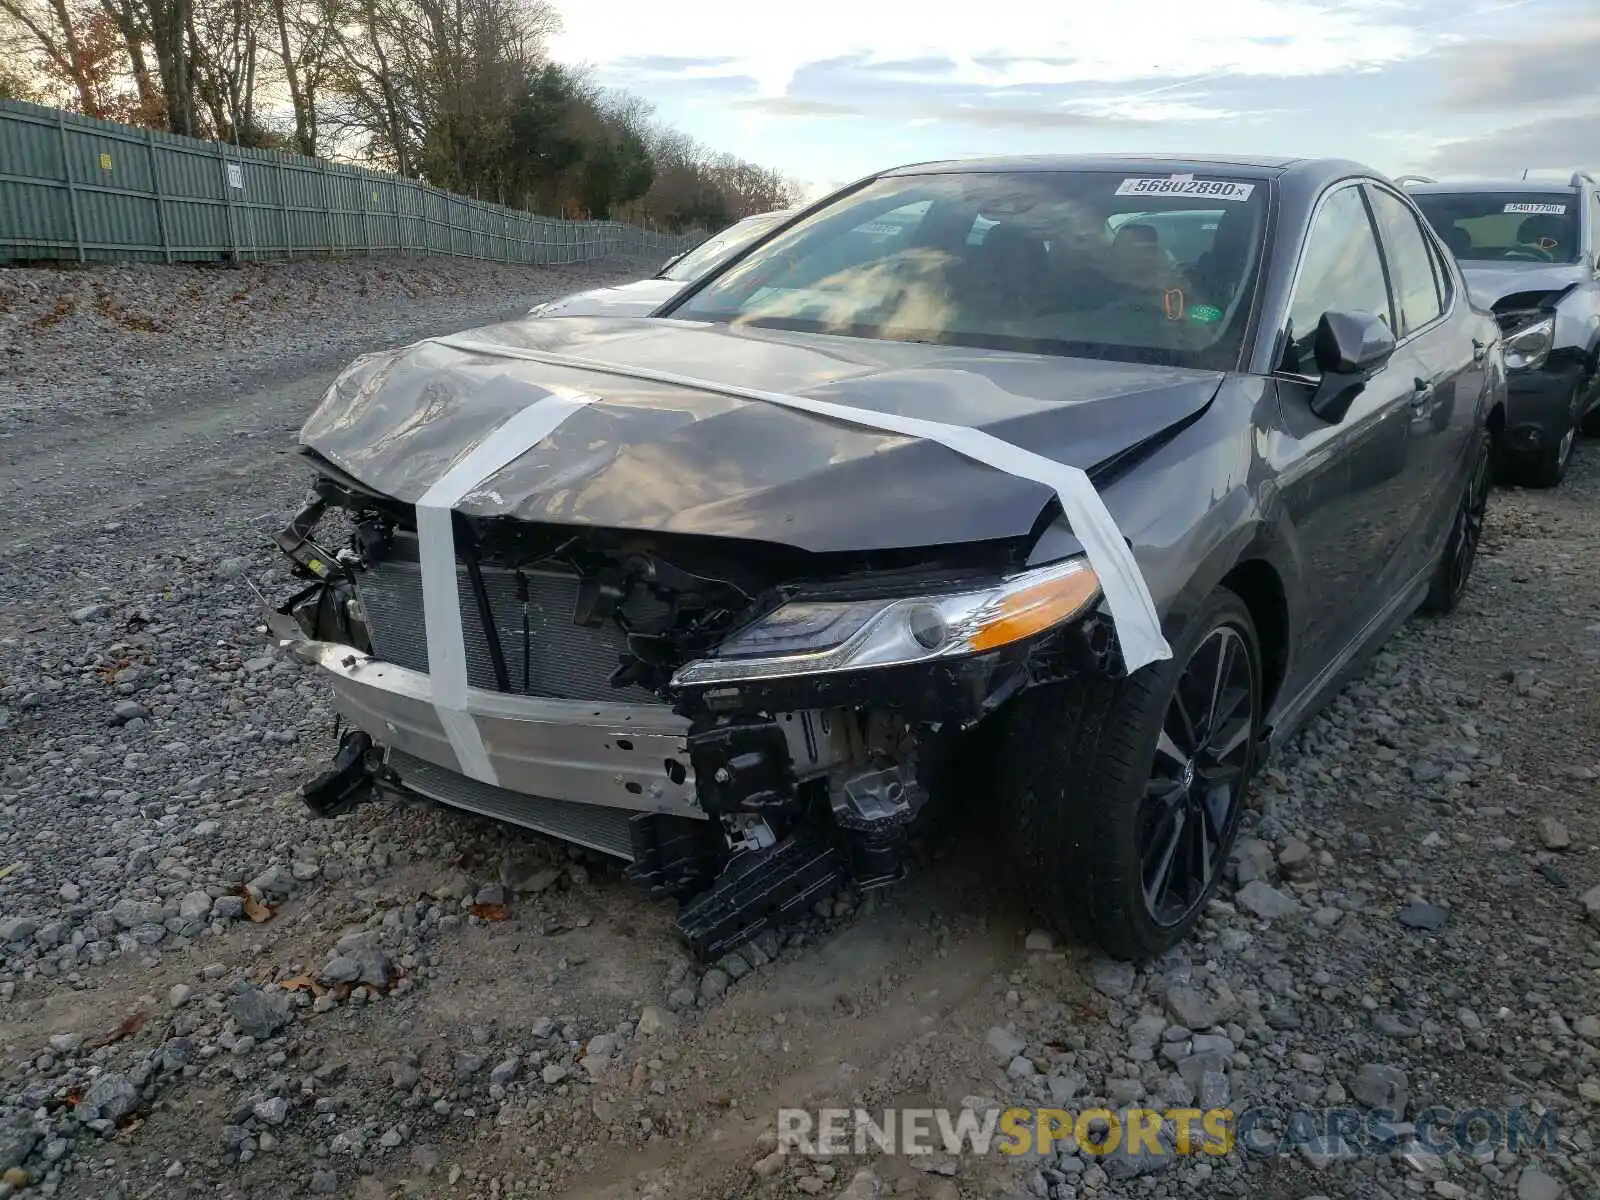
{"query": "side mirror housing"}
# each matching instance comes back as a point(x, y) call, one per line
point(1349, 347)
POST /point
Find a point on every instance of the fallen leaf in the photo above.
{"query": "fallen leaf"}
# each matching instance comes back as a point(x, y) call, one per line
point(256, 911)
point(298, 983)
point(14, 867)
point(129, 1026)
point(491, 912)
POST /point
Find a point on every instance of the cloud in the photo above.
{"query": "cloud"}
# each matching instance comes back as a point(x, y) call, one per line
point(794, 106)
point(1492, 75)
point(666, 63)
point(988, 116)
point(915, 67)
point(1555, 143)
point(1154, 109)
point(1006, 43)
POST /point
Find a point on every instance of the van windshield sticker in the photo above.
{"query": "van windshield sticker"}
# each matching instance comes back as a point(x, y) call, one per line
point(1554, 210)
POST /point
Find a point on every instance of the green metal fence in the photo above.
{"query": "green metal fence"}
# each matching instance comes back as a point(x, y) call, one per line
point(74, 187)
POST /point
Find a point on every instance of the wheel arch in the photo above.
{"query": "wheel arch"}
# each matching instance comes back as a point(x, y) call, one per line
point(1257, 582)
point(1258, 562)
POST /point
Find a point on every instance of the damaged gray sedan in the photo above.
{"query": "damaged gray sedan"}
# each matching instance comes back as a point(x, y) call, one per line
point(1083, 479)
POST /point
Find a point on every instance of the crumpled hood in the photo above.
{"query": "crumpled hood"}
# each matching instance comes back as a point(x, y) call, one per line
point(636, 299)
point(1490, 282)
point(674, 459)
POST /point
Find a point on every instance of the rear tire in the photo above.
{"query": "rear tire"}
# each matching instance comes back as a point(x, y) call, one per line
point(1450, 577)
point(1100, 782)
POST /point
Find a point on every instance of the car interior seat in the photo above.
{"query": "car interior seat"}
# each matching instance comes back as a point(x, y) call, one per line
point(1136, 254)
point(1543, 230)
point(1009, 274)
point(1218, 271)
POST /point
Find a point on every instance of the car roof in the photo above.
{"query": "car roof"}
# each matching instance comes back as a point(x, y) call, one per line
point(1264, 164)
point(1544, 186)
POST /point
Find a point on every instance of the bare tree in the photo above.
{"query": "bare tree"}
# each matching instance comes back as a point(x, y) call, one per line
point(306, 35)
point(459, 92)
point(55, 30)
point(224, 56)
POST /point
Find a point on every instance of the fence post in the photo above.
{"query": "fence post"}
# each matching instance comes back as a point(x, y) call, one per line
point(327, 206)
point(427, 225)
point(227, 199)
point(282, 175)
point(72, 187)
point(394, 202)
point(155, 186)
point(366, 222)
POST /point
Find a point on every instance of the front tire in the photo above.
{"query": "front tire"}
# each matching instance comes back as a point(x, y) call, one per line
point(1122, 799)
point(1547, 466)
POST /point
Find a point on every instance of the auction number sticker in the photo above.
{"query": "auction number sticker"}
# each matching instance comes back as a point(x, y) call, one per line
point(1186, 185)
point(1554, 210)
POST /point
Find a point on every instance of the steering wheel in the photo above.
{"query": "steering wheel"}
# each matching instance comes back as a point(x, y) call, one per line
point(1527, 254)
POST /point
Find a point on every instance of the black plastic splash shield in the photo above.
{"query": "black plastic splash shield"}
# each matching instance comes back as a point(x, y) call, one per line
point(759, 890)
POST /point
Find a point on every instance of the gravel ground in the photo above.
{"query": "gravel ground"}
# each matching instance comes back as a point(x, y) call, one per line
point(85, 345)
point(204, 992)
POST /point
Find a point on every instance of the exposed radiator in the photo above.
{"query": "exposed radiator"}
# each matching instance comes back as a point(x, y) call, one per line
point(564, 661)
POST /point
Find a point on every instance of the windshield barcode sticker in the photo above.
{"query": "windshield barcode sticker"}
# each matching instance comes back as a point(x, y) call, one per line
point(1186, 185)
point(1554, 210)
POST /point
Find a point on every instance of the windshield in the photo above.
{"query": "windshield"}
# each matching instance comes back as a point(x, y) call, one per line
point(1085, 263)
point(1504, 226)
point(720, 246)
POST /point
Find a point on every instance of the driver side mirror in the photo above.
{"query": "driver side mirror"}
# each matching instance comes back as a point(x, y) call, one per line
point(1350, 348)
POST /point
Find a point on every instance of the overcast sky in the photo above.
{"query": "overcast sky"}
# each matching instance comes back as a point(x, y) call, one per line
point(828, 90)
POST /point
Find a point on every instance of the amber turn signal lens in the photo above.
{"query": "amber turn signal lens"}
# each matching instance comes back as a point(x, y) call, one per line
point(1035, 609)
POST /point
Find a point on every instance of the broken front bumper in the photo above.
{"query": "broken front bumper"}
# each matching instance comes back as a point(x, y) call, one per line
point(606, 761)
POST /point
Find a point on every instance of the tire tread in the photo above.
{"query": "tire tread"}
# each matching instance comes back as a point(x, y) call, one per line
point(1071, 766)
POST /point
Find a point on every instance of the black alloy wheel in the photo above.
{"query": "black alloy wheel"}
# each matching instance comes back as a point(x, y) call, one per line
point(1194, 796)
point(1119, 799)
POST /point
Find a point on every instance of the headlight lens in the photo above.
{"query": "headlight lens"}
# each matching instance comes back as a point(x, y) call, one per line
point(1527, 348)
point(818, 637)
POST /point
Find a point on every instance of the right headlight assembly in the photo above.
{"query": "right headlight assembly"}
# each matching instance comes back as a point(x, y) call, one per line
point(817, 637)
point(1528, 341)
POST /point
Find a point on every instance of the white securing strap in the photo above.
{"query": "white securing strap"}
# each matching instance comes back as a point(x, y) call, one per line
point(441, 598)
point(1132, 609)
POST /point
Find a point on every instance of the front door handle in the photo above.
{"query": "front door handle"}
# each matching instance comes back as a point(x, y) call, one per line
point(1421, 395)
point(1479, 349)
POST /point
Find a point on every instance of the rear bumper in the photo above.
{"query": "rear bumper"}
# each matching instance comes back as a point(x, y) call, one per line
point(633, 758)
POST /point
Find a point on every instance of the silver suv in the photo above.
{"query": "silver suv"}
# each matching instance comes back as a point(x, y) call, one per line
point(1530, 252)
